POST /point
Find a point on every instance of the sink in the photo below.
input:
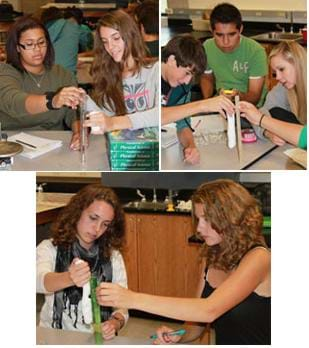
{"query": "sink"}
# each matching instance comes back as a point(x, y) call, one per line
point(275, 36)
point(145, 205)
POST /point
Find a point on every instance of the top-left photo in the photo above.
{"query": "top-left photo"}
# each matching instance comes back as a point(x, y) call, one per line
point(79, 85)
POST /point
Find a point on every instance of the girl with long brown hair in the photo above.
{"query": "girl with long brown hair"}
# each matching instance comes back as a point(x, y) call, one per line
point(86, 240)
point(234, 291)
point(125, 80)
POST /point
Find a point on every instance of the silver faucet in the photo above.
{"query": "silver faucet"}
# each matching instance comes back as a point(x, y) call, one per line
point(278, 26)
point(291, 27)
point(172, 194)
point(40, 187)
point(154, 199)
point(141, 195)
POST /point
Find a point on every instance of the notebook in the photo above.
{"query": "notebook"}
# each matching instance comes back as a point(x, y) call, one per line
point(168, 136)
point(34, 146)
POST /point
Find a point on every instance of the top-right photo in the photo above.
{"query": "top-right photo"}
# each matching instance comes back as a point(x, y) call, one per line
point(233, 85)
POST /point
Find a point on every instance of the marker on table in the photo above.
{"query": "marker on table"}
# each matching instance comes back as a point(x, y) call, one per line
point(179, 332)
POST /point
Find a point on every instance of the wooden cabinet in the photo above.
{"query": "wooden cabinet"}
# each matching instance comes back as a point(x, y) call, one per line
point(158, 257)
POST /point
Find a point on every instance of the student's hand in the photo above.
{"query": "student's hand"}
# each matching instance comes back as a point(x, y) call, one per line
point(79, 272)
point(114, 295)
point(274, 138)
point(191, 155)
point(75, 141)
point(69, 96)
point(109, 328)
point(99, 122)
point(250, 112)
point(219, 104)
point(165, 339)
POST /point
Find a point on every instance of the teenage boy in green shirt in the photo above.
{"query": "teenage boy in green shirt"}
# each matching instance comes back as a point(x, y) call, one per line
point(233, 61)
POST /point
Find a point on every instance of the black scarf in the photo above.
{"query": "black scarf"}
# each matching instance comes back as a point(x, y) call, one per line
point(70, 297)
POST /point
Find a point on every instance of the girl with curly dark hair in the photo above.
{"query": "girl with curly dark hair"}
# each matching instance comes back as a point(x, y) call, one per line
point(234, 293)
point(125, 80)
point(86, 240)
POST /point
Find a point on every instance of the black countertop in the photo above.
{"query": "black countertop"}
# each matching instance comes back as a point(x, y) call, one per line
point(157, 212)
point(250, 29)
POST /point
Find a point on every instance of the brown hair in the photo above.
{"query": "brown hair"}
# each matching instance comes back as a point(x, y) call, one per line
point(64, 229)
point(21, 25)
point(107, 74)
point(225, 13)
point(233, 213)
point(188, 52)
point(296, 55)
point(147, 14)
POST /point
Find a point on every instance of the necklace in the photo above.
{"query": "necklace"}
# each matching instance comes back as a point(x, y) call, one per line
point(37, 82)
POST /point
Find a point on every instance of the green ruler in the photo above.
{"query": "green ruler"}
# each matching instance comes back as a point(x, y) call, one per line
point(96, 312)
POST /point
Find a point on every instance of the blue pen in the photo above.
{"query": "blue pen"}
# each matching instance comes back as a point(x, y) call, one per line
point(179, 332)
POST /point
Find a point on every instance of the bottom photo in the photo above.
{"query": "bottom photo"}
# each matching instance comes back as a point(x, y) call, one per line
point(153, 258)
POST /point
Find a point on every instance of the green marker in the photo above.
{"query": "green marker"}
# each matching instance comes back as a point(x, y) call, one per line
point(179, 332)
point(96, 312)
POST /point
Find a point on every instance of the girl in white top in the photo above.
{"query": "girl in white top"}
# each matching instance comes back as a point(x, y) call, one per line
point(89, 229)
point(126, 82)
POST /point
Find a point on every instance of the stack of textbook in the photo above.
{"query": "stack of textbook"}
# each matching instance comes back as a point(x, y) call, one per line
point(134, 150)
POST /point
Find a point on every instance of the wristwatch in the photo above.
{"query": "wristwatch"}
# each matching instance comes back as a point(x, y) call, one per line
point(49, 100)
point(119, 318)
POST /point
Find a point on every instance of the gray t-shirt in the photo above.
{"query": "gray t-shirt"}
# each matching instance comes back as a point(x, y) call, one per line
point(141, 94)
point(277, 97)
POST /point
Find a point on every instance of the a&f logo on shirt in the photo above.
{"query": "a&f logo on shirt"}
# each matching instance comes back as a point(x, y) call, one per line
point(240, 67)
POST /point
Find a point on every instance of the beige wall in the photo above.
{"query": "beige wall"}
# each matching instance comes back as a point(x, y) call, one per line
point(296, 5)
point(16, 4)
point(28, 6)
point(33, 5)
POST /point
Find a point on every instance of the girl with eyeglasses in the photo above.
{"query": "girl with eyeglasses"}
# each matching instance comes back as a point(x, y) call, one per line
point(86, 241)
point(125, 80)
point(35, 93)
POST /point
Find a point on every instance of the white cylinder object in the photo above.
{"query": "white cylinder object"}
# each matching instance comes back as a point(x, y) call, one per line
point(231, 134)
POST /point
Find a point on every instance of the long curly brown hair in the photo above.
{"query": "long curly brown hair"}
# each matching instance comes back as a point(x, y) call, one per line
point(107, 74)
point(233, 213)
point(64, 229)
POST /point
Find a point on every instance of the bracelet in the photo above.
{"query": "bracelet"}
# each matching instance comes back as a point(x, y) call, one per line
point(260, 123)
point(121, 321)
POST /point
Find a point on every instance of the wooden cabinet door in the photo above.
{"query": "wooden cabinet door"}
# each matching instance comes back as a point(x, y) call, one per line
point(130, 251)
point(167, 264)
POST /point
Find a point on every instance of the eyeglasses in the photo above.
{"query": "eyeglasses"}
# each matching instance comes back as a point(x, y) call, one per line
point(33, 45)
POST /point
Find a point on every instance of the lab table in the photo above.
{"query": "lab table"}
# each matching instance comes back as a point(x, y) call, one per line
point(62, 158)
point(48, 205)
point(57, 337)
point(261, 155)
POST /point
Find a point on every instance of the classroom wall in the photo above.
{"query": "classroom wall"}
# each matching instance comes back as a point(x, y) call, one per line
point(16, 4)
point(28, 6)
point(287, 5)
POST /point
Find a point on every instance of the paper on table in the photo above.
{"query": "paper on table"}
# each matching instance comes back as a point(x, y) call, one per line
point(168, 136)
point(42, 145)
point(297, 155)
